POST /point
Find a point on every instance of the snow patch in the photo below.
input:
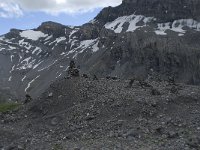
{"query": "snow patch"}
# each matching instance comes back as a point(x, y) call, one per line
point(89, 44)
point(37, 64)
point(58, 75)
point(48, 66)
point(11, 47)
point(48, 38)
point(1, 49)
point(71, 34)
point(11, 58)
point(32, 35)
point(23, 78)
point(95, 47)
point(135, 22)
point(2, 38)
point(10, 78)
point(27, 63)
point(93, 21)
point(29, 84)
point(132, 20)
point(38, 50)
point(58, 40)
point(13, 68)
point(83, 45)
point(177, 26)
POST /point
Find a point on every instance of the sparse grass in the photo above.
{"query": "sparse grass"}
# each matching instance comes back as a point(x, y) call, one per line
point(5, 107)
point(57, 147)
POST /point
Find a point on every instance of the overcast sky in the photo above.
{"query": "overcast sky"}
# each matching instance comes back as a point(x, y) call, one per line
point(25, 14)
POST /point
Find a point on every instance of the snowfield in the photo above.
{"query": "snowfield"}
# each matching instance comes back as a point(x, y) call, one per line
point(32, 35)
point(135, 22)
point(118, 24)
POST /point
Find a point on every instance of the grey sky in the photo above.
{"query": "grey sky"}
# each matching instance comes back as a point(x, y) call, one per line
point(11, 8)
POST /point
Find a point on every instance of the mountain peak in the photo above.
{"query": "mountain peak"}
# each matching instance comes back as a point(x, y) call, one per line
point(162, 10)
point(51, 24)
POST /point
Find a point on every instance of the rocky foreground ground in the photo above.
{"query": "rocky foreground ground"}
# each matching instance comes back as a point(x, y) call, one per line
point(106, 114)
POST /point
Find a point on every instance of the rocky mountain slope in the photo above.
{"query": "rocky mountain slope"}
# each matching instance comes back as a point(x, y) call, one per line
point(87, 114)
point(138, 38)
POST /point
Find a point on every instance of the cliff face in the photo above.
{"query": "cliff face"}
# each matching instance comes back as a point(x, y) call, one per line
point(163, 10)
point(137, 38)
point(168, 53)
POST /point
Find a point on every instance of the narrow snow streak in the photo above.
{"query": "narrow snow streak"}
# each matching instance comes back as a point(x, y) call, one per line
point(48, 66)
point(23, 78)
point(29, 84)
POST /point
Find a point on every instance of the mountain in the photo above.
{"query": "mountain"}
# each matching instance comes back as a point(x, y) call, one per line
point(140, 38)
point(154, 43)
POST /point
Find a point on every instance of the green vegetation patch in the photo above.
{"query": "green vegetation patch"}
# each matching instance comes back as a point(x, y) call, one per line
point(5, 107)
point(57, 147)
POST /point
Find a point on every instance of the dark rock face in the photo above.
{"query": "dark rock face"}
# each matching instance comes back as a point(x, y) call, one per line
point(168, 57)
point(52, 28)
point(164, 11)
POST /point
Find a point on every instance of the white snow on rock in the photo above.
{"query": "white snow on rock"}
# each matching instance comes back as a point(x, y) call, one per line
point(89, 44)
point(93, 21)
point(48, 38)
point(38, 50)
point(11, 58)
point(10, 78)
point(58, 40)
point(23, 78)
point(35, 66)
point(29, 84)
point(83, 45)
point(177, 26)
point(26, 45)
point(1, 49)
point(47, 67)
point(27, 63)
point(13, 68)
point(95, 47)
point(71, 34)
point(135, 22)
point(11, 47)
point(21, 42)
point(26, 60)
point(71, 27)
point(63, 53)
point(1, 38)
point(32, 35)
point(132, 20)
point(58, 74)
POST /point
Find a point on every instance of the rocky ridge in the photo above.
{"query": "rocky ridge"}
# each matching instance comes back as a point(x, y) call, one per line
point(86, 114)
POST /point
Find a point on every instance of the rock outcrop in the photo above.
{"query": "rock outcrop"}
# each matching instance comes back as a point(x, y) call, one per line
point(81, 113)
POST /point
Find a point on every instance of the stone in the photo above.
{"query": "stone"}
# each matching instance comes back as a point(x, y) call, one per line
point(194, 142)
point(55, 121)
point(172, 134)
point(85, 76)
point(174, 90)
point(131, 134)
point(50, 94)
point(155, 92)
